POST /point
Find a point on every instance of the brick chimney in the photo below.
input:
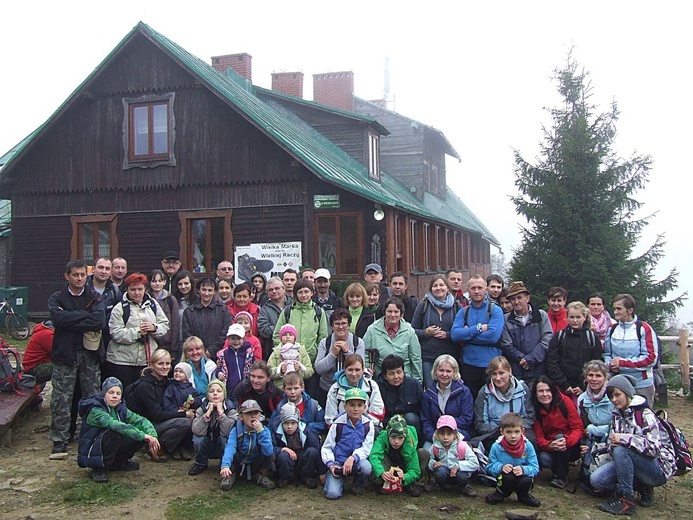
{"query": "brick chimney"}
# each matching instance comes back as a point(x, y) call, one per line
point(335, 89)
point(241, 63)
point(290, 83)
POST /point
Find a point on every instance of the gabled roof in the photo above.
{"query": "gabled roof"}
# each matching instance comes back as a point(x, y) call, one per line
point(317, 153)
point(449, 149)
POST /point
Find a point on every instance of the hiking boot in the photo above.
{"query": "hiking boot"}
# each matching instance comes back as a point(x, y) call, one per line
point(227, 483)
point(196, 469)
point(646, 496)
point(59, 451)
point(310, 483)
point(413, 490)
point(559, 483)
point(127, 465)
point(159, 455)
point(468, 491)
point(495, 498)
point(358, 490)
point(529, 500)
point(265, 482)
point(99, 475)
point(282, 483)
point(184, 454)
point(619, 506)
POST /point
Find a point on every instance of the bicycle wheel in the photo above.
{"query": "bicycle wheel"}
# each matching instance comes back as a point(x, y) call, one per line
point(17, 326)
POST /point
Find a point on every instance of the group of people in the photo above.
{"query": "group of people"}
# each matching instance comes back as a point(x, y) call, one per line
point(282, 379)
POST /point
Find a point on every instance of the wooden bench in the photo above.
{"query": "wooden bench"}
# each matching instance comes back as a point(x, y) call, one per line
point(11, 405)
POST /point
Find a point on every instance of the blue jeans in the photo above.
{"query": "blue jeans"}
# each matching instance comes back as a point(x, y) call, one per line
point(334, 486)
point(621, 473)
point(205, 449)
point(558, 461)
point(443, 478)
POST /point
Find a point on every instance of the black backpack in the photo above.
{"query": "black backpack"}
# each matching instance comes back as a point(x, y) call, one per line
point(126, 308)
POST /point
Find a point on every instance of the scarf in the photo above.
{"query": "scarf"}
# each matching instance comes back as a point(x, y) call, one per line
point(598, 396)
point(201, 378)
point(355, 317)
point(602, 324)
point(515, 451)
point(447, 304)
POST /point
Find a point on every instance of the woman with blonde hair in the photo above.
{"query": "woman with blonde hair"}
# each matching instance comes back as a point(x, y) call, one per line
point(356, 300)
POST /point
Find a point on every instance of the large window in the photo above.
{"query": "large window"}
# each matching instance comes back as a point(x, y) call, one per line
point(206, 239)
point(340, 243)
point(148, 131)
point(94, 236)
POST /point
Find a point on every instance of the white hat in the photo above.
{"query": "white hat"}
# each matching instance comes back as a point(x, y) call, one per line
point(322, 273)
point(236, 330)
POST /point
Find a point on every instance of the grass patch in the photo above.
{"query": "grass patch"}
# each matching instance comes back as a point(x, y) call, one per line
point(87, 493)
point(214, 505)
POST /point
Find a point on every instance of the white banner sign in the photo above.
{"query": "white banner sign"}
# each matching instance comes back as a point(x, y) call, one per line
point(268, 259)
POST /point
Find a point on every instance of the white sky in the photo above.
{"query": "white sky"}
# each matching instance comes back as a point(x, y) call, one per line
point(479, 71)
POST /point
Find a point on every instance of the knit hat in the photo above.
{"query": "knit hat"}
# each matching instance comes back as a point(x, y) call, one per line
point(397, 427)
point(250, 405)
point(288, 328)
point(236, 330)
point(446, 421)
point(186, 369)
point(289, 412)
point(215, 382)
point(246, 314)
point(624, 383)
point(517, 288)
point(355, 393)
point(109, 383)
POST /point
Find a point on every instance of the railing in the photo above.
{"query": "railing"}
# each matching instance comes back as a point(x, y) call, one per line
point(683, 342)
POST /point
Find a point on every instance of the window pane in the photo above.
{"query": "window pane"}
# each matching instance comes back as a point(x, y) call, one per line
point(87, 235)
point(141, 130)
point(348, 245)
point(104, 240)
point(217, 243)
point(198, 242)
point(327, 243)
point(160, 129)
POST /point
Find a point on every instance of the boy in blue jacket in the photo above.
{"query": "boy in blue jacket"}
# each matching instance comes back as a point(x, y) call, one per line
point(310, 411)
point(297, 448)
point(249, 449)
point(111, 434)
point(513, 461)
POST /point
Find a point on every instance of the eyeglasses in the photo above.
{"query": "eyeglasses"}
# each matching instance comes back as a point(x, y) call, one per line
point(171, 262)
point(340, 324)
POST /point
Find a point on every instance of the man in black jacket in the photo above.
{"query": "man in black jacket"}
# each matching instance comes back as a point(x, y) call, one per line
point(78, 317)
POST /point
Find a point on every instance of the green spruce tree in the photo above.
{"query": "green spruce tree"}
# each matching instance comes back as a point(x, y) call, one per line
point(579, 202)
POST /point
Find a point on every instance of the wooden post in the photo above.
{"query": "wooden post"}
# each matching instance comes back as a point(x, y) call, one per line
point(685, 360)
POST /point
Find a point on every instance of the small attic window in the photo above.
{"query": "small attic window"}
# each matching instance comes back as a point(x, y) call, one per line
point(148, 131)
point(373, 159)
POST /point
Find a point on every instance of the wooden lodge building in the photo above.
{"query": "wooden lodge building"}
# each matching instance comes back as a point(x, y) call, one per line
point(156, 145)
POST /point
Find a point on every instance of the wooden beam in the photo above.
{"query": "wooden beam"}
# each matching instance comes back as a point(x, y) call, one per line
point(685, 360)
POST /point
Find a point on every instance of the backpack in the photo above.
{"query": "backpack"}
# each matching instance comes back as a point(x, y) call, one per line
point(126, 308)
point(461, 450)
point(318, 316)
point(638, 325)
point(456, 306)
point(590, 337)
point(340, 427)
point(12, 377)
point(489, 312)
point(679, 444)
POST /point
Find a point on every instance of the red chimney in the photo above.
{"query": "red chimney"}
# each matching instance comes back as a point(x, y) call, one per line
point(290, 83)
point(241, 63)
point(335, 89)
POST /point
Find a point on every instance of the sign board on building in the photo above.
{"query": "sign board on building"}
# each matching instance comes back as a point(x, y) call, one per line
point(269, 259)
point(326, 201)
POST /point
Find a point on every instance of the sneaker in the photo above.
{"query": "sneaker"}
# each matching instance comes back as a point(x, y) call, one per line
point(196, 469)
point(495, 498)
point(99, 475)
point(529, 500)
point(619, 506)
point(227, 483)
point(310, 483)
point(128, 465)
point(646, 496)
point(59, 451)
point(559, 483)
point(468, 491)
point(265, 482)
point(282, 483)
point(357, 489)
point(413, 490)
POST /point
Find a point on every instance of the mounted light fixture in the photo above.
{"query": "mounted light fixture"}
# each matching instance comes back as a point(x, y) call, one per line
point(378, 214)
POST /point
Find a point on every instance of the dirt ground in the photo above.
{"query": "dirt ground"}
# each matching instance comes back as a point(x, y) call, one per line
point(28, 483)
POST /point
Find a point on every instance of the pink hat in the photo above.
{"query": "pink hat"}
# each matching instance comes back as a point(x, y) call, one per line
point(446, 421)
point(246, 314)
point(288, 328)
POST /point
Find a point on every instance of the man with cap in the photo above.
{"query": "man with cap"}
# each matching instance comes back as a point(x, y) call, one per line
point(526, 335)
point(347, 446)
point(297, 449)
point(395, 458)
point(373, 273)
point(324, 296)
point(171, 265)
point(249, 450)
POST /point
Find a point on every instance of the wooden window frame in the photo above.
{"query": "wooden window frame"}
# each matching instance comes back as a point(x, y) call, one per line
point(359, 234)
point(151, 160)
point(373, 155)
point(186, 218)
point(76, 241)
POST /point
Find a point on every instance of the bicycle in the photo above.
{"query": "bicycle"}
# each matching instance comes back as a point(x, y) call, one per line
point(15, 323)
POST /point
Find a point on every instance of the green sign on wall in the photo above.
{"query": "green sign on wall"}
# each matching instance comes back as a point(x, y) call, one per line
point(326, 201)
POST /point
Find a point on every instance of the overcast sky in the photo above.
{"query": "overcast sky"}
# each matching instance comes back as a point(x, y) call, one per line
point(481, 72)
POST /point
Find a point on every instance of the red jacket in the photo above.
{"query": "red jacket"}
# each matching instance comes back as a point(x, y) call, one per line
point(38, 350)
point(551, 422)
point(251, 309)
point(558, 320)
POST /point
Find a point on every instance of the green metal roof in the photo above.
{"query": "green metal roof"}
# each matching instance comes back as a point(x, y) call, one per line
point(312, 149)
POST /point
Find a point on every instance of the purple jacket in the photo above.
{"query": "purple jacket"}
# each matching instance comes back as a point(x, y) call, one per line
point(460, 405)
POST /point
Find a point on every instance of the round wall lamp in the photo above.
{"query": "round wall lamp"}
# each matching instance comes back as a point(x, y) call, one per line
point(378, 214)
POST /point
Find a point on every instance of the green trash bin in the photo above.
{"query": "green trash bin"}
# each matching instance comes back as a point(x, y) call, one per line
point(18, 298)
